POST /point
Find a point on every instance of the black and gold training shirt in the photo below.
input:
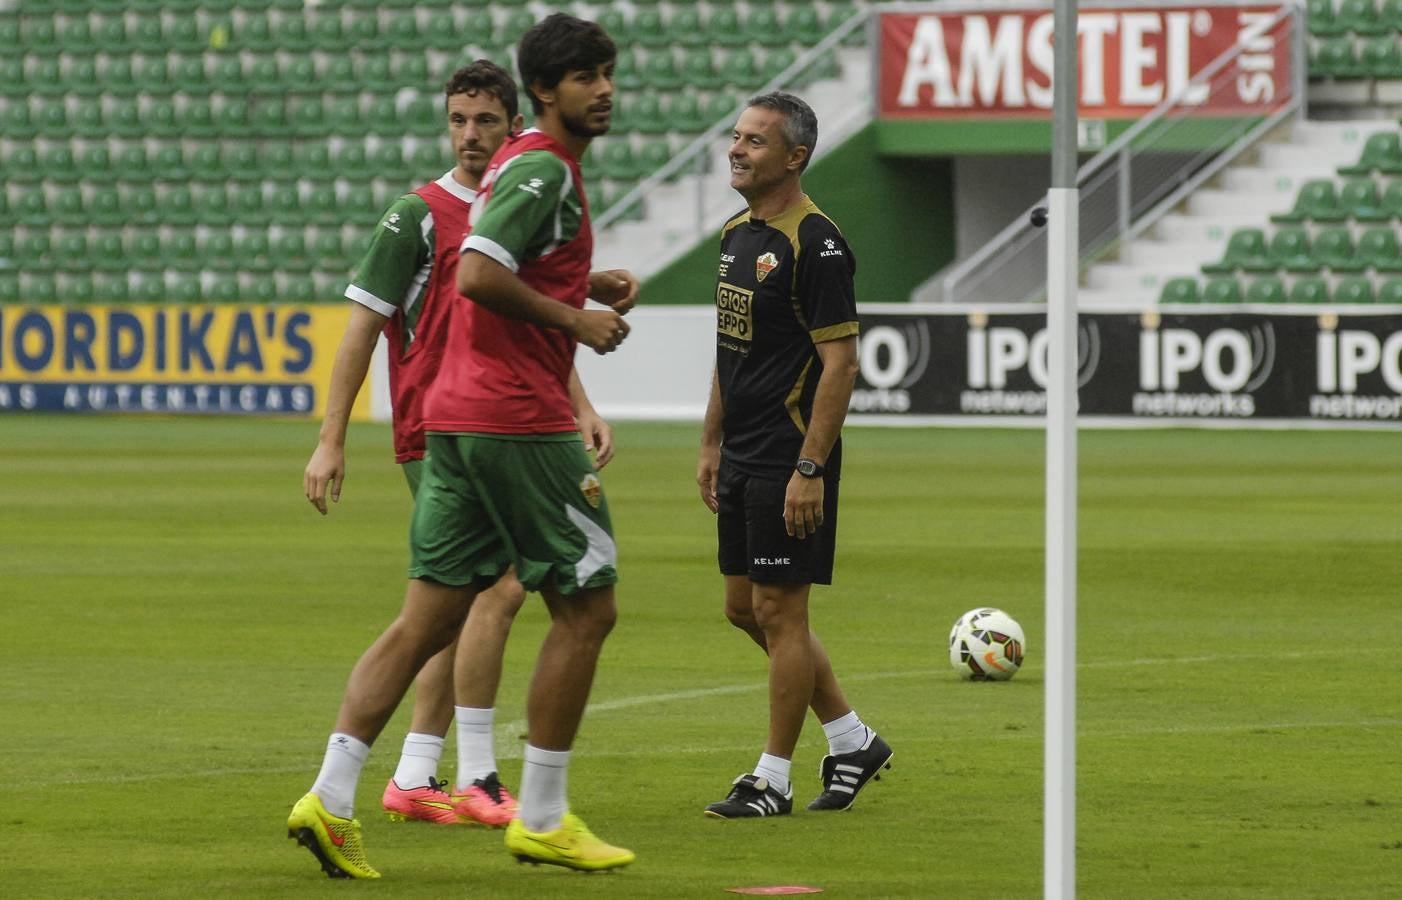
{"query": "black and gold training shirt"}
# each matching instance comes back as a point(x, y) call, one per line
point(784, 285)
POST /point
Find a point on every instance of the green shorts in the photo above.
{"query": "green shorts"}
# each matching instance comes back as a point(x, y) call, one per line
point(487, 502)
point(413, 473)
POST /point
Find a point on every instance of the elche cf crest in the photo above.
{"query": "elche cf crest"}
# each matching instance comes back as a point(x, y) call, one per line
point(766, 264)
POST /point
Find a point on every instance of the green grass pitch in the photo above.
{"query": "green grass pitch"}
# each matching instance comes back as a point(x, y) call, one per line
point(178, 624)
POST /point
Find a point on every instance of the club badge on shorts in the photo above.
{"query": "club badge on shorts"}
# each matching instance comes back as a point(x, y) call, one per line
point(590, 488)
point(766, 264)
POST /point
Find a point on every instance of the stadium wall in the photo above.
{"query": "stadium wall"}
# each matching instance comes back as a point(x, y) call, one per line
point(897, 213)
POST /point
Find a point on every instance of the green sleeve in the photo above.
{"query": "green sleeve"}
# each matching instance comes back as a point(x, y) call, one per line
point(522, 217)
point(398, 249)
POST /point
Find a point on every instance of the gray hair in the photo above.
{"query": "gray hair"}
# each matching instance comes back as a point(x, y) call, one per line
point(800, 127)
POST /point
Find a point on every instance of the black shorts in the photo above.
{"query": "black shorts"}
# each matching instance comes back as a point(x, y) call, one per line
point(752, 539)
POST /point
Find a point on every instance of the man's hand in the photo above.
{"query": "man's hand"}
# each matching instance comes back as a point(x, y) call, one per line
point(803, 506)
point(601, 330)
point(326, 469)
point(707, 473)
point(616, 288)
point(598, 436)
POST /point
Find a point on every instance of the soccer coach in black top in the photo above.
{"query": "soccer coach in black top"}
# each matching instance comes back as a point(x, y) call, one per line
point(786, 361)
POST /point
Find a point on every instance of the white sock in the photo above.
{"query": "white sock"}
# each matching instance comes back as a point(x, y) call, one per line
point(776, 769)
point(846, 734)
point(340, 770)
point(542, 799)
point(475, 757)
point(418, 763)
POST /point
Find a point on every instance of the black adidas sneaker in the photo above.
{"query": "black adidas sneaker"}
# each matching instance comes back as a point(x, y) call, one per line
point(845, 774)
point(751, 797)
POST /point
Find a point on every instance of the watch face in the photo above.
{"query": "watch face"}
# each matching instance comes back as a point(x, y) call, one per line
point(807, 468)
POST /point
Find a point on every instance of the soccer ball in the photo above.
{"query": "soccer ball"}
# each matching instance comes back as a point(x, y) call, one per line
point(986, 644)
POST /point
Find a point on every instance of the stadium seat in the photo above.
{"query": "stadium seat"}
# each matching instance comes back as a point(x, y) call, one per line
point(233, 120)
point(424, 117)
point(1391, 204)
point(805, 27)
point(9, 287)
point(217, 250)
point(290, 252)
point(517, 23)
point(412, 71)
point(40, 288)
point(178, 207)
point(181, 252)
point(1390, 291)
point(1289, 250)
point(214, 205)
point(1311, 289)
point(18, 122)
point(1268, 289)
point(82, 78)
point(69, 207)
point(763, 27)
point(321, 207)
point(1336, 59)
point(1320, 19)
point(838, 14)
point(388, 163)
point(148, 287)
point(382, 118)
point(299, 289)
point(75, 288)
point(776, 62)
point(145, 249)
point(53, 120)
point(1316, 201)
point(108, 252)
point(268, 118)
point(742, 70)
point(619, 163)
point(1354, 289)
point(11, 43)
point(186, 36)
point(185, 288)
point(1222, 290)
point(12, 80)
point(1359, 199)
point(660, 72)
point(644, 115)
point(225, 290)
point(22, 166)
point(1381, 57)
point(1359, 17)
point(72, 253)
point(352, 163)
point(34, 208)
point(1378, 249)
point(96, 164)
point(686, 27)
point(247, 206)
point(650, 31)
point(47, 78)
point(309, 118)
point(375, 76)
point(35, 250)
point(327, 252)
point(241, 163)
point(292, 35)
point(614, 21)
point(254, 252)
point(40, 36)
point(59, 165)
point(684, 114)
point(1333, 249)
point(198, 119)
point(111, 288)
point(1245, 247)
point(441, 32)
point(106, 206)
point(277, 159)
point(723, 28)
point(654, 155)
point(254, 34)
point(265, 78)
point(160, 119)
point(1382, 152)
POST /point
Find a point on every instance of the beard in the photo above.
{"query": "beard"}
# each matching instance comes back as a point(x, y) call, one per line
point(579, 126)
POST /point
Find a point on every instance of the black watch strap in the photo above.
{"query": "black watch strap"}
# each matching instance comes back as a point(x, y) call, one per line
point(809, 468)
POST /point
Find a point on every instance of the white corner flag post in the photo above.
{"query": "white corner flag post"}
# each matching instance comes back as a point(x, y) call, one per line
point(1063, 262)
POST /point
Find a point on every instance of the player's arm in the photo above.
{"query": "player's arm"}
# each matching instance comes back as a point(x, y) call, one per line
point(327, 467)
point(488, 283)
point(708, 462)
point(615, 288)
point(597, 434)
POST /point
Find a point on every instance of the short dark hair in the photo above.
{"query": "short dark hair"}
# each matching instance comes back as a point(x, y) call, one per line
point(557, 44)
point(800, 128)
point(484, 75)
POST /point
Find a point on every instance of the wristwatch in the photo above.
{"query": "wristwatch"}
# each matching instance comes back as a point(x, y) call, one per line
point(809, 468)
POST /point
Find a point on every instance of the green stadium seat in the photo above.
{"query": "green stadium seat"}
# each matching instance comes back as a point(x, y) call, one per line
point(40, 36)
point(22, 166)
point(59, 165)
point(364, 32)
point(182, 251)
point(82, 79)
point(75, 287)
point(178, 206)
point(40, 288)
point(1289, 250)
point(254, 251)
point(684, 114)
point(402, 33)
point(382, 117)
point(186, 35)
point(1359, 199)
point(11, 43)
point(328, 254)
point(207, 164)
point(686, 27)
point(69, 208)
point(805, 26)
point(132, 165)
point(53, 120)
point(8, 263)
point(742, 70)
point(1320, 20)
point(88, 118)
point(241, 163)
point(660, 72)
point(18, 122)
point(145, 249)
point(627, 75)
point(225, 290)
point(72, 253)
point(188, 74)
point(424, 117)
point(47, 78)
point(359, 207)
point(1246, 247)
point(1381, 152)
point(247, 205)
point(34, 208)
point(1268, 289)
point(217, 250)
point(290, 252)
point(268, 118)
point(198, 119)
point(619, 163)
point(1336, 59)
point(388, 163)
point(35, 250)
point(723, 28)
point(1378, 249)
point(234, 119)
point(376, 77)
point(185, 288)
point(96, 163)
point(148, 287)
point(161, 119)
point(292, 35)
point(1359, 17)
point(1390, 291)
point(763, 27)
point(111, 288)
point(1179, 290)
point(645, 115)
point(214, 206)
point(277, 159)
point(309, 118)
point(352, 163)
point(12, 79)
point(327, 34)
point(1354, 289)
point(9, 287)
point(1381, 57)
point(411, 70)
point(261, 289)
point(264, 78)
point(1222, 290)
point(1391, 204)
point(285, 205)
point(616, 23)
point(76, 37)
point(254, 34)
point(839, 14)
point(517, 23)
point(721, 106)
point(109, 254)
point(321, 207)
point(441, 32)
point(1316, 201)
point(1311, 289)
point(650, 31)
point(776, 62)
point(149, 36)
point(654, 155)
point(298, 289)
point(125, 120)
point(106, 206)
point(309, 160)
point(1333, 249)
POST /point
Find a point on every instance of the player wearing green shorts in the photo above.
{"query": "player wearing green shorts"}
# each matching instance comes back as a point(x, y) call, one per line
point(503, 443)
